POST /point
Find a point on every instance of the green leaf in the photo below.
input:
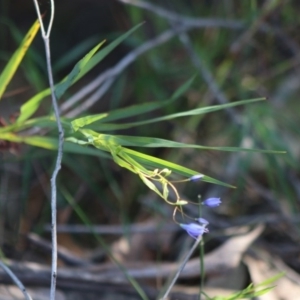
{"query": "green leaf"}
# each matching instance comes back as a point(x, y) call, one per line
point(104, 52)
point(271, 280)
point(52, 144)
point(30, 107)
point(75, 73)
point(122, 163)
point(151, 185)
point(193, 112)
point(261, 292)
point(81, 122)
point(133, 162)
point(165, 190)
point(160, 163)
point(83, 150)
point(136, 110)
point(43, 142)
point(72, 56)
point(42, 122)
point(108, 143)
point(17, 57)
point(149, 142)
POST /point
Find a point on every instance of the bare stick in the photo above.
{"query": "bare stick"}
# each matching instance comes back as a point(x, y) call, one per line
point(207, 75)
point(46, 38)
point(15, 280)
point(181, 267)
point(183, 20)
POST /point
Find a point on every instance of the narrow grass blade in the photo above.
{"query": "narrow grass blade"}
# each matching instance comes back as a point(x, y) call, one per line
point(81, 122)
point(30, 107)
point(52, 144)
point(104, 52)
point(193, 112)
point(80, 69)
point(17, 57)
point(136, 110)
point(42, 122)
point(149, 142)
point(76, 73)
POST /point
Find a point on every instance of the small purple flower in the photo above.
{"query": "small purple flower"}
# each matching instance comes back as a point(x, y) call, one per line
point(194, 230)
point(202, 221)
point(196, 177)
point(212, 202)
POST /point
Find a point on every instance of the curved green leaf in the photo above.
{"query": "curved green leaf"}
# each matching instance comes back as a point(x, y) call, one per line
point(161, 163)
point(151, 185)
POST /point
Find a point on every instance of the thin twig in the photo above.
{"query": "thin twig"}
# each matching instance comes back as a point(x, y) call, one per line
point(267, 8)
point(15, 280)
point(46, 38)
point(187, 21)
point(182, 265)
point(64, 254)
point(221, 23)
point(207, 75)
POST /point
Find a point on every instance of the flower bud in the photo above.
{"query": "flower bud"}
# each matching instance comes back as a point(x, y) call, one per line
point(196, 177)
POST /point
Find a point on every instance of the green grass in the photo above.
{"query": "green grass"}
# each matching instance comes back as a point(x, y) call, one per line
point(159, 114)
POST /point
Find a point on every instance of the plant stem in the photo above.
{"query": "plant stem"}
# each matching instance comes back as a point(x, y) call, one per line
point(15, 280)
point(181, 267)
point(202, 271)
point(46, 38)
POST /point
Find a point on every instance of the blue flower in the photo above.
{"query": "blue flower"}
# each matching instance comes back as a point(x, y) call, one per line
point(196, 177)
point(202, 221)
point(212, 202)
point(194, 230)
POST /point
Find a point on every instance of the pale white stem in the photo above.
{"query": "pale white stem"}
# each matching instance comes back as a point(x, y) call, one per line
point(46, 37)
point(15, 280)
point(182, 265)
point(183, 20)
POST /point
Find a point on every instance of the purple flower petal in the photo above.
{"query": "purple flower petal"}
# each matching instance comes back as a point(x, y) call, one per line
point(212, 202)
point(194, 230)
point(196, 177)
